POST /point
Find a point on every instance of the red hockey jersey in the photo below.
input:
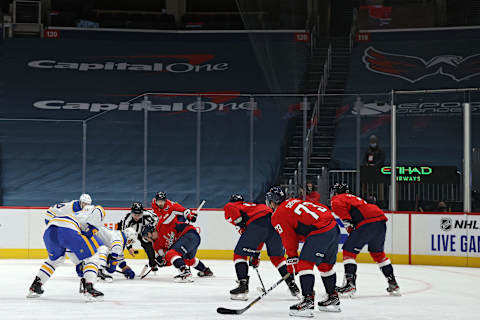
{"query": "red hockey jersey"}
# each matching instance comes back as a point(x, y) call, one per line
point(243, 213)
point(296, 219)
point(169, 208)
point(349, 207)
point(169, 231)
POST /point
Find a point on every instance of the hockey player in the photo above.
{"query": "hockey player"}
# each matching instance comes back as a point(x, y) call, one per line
point(366, 224)
point(253, 223)
point(295, 219)
point(76, 234)
point(66, 208)
point(163, 208)
point(136, 219)
point(111, 254)
point(176, 243)
point(69, 208)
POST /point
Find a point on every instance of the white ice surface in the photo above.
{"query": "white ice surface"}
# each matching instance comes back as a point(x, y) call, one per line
point(428, 293)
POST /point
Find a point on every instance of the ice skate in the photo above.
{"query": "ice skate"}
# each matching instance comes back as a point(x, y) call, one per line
point(184, 276)
point(240, 292)
point(89, 292)
point(304, 308)
point(393, 288)
point(205, 273)
point(35, 290)
point(349, 287)
point(292, 286)
point(331, 304)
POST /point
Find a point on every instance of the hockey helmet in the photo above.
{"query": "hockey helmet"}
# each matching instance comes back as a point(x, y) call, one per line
point(146, 229)
point(340, 187)
point(137, 208)
point(85, 198)
point(160, 196)
point(276, 195)
point(235, 197)
point(130, 234)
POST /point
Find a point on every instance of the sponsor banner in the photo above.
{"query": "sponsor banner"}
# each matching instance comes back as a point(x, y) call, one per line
point(410, 174)
point(446, 235)
point(113, 67)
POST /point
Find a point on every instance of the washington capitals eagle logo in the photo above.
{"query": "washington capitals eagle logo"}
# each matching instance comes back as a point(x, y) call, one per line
point(414, 69)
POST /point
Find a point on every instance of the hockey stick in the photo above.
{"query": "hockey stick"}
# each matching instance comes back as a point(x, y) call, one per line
point(240, 311)
point(200, 206)
point(145, 267)
point(146, 274)
point(105, 267)
point(260, 278)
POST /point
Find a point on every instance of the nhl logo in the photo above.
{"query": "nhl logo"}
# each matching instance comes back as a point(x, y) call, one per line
point(446, 224)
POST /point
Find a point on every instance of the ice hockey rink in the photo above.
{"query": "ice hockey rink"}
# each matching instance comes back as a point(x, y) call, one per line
point(428, 292)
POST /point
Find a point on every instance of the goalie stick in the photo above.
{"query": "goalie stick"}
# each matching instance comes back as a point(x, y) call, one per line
point(240, 311)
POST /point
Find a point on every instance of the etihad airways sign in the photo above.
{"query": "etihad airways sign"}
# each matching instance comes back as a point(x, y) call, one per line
point(174, 67)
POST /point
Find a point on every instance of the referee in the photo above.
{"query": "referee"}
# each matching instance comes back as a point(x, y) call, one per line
point(136, 219)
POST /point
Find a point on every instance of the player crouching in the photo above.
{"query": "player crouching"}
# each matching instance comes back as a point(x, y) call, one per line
point(179, 241)
point(111, 255)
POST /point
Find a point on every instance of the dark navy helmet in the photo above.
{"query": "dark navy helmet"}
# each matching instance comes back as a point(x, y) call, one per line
point(340, 187)
point(236, 197)
point(160, 196)
point(276, 194)
point(146, 229)
point(137, 207)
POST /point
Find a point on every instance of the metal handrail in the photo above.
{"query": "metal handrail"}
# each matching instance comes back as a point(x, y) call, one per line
point(322, 88)
point(353, 29)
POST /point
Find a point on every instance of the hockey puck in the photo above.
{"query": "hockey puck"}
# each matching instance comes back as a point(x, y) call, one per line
point(135, 251)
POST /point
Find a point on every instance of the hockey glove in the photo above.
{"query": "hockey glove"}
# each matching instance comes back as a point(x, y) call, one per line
point(240, 229)
point(128, 273)
point(291, 264)
point(112, 262)
point(348, 225)
point(161, 262)
point(254, 261)
point(190, 216)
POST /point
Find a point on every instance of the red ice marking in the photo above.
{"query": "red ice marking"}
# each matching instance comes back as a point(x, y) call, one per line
point(426, 286)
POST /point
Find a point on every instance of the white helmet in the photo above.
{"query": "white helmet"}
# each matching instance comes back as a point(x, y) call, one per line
point(85, 198)
point(130, 234)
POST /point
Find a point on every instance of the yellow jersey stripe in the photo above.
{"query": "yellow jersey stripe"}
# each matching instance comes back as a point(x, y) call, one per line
point(50, 213)
point(90, 267)
point(44, 266)
point(66, 220)
point(88, 244)
point(95, 242)
point(101, 210)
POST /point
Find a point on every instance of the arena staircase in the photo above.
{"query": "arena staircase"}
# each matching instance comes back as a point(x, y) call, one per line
point(324, 137)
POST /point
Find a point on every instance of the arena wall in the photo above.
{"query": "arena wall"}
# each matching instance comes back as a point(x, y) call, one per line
point(412, 237)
